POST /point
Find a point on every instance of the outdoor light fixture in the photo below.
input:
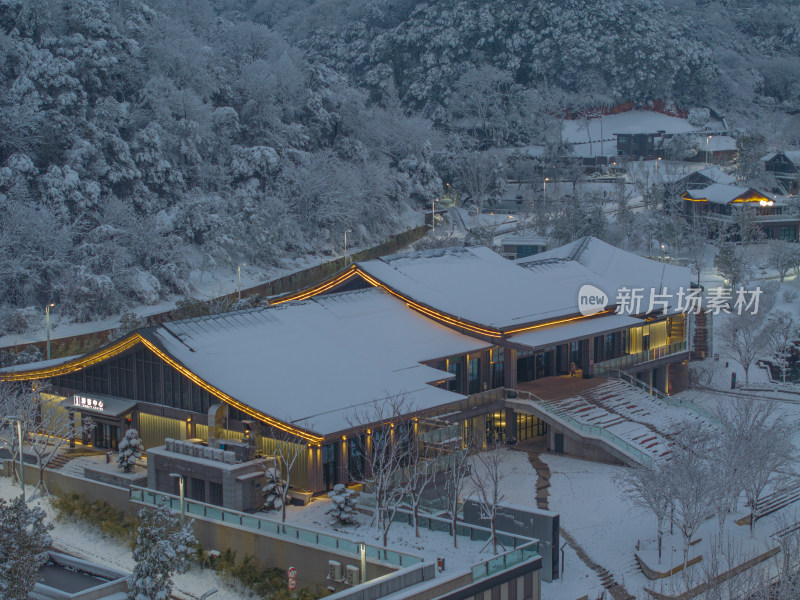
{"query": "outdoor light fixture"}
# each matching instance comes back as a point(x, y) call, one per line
point(47, 324)
point(179, 477)
point(21, 462)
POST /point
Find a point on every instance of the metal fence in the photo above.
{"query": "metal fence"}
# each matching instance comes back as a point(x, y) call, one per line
point(209, 512)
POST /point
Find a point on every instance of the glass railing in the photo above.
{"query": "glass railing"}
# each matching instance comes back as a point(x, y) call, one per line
point(505, 561)
point(270, 527)
point(629, 360)
point(585, 429)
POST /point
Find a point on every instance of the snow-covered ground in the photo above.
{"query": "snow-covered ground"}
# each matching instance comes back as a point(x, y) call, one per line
point(430, 545)
point(81, 540)
point(609, 526)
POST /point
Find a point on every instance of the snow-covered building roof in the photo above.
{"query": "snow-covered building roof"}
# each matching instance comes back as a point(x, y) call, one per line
point(479, 286)
point(719, 193)
point(721, 143)
point(612, 269)
point(631, 122)
point(717, 175)
point(363, 346)
point(792, 155)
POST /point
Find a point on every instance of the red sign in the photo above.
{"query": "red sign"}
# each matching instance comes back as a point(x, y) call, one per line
point(292, 583)
point(292, 572)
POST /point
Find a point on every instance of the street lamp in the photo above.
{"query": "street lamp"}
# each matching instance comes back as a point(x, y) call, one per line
point(21, 462)
point(345, 245)
point(179, 477)
point(657, 161)
point(433, 213)
point(47, 325)
point(708, 138)
point(239, 271)
point(546, 179)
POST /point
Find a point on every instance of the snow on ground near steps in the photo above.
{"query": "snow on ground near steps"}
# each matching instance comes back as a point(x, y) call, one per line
point(83, 541)
point(518, 478)
point(430, 546)
point(608, 525)
point(518, 486)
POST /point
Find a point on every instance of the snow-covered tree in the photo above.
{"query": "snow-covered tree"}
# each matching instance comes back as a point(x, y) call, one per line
point(163, 548)
point(130, 449)
point(648, 486)
point(748, 336)
point(52, 430)
point(689, 472)
point(24, 540)
point(273, 490)
point(287, 451)
point(785, 333)
point(783, 257)
point(731, 263)
point(390, 435)
point(343, 506)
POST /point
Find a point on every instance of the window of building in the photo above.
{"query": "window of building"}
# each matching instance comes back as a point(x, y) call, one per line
point(496, 427)
point(529, 427)
point(474, 376)
point(786, 233)
point(215, 493)
point(355, 458)
point(498, 358)
point(329, 466)
point(197, 489)
point(454, 367)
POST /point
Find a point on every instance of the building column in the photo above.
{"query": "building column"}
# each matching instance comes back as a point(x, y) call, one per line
point(511, 424)
point(511, 368)
point(587, 357)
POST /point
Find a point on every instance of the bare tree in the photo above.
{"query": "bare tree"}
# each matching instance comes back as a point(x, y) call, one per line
point(390, 435)
point(648, 486)
point(16, 400)
point(689, 472)
point(487, 480)
point(696, 243)
point(480, 175)
point(748, 336)
point(52, 430)
point(455, 478)
point(287, 450)
point(424, 460)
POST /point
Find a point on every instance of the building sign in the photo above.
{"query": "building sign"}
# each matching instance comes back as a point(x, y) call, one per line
point(90, 403)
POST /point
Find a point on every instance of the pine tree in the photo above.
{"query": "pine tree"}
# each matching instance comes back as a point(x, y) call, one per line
point(24, 540)
point(343, 507)
point(130, 448)
point(163, 547)
point(273, 490)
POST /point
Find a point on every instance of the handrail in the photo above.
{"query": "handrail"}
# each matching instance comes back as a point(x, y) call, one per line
point(504, 561)
point(210, 512)
point(639, 358)
point(585, 429)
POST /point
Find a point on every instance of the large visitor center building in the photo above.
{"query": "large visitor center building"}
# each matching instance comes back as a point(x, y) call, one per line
point(443, 329)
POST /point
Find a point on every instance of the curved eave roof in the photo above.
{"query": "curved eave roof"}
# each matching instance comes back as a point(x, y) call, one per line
point(497, 311)
point(67, 366)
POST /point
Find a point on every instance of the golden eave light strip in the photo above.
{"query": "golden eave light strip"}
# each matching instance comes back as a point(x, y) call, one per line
point(129, 342)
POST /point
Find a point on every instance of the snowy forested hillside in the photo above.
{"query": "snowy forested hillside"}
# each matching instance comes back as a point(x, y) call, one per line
point(142, 138)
